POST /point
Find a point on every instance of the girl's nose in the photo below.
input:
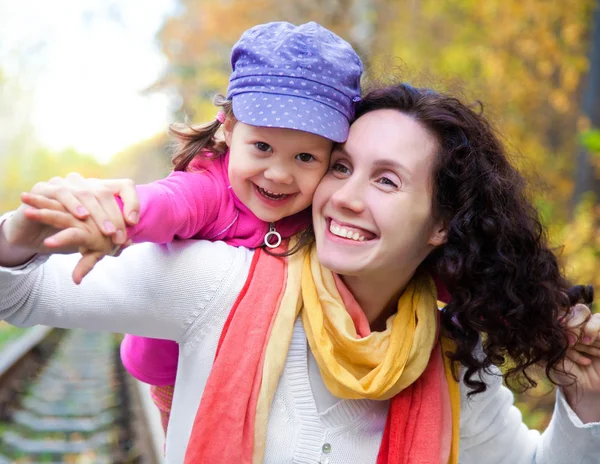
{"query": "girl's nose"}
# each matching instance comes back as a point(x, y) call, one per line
point(279, 175)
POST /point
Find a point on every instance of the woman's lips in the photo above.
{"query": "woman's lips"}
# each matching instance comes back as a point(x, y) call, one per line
point(350, 232)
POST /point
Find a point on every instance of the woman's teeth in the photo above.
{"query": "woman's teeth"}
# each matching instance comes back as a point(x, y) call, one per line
point(345, 232)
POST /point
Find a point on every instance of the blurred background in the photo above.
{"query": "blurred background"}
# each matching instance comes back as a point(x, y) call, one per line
point(91, 86)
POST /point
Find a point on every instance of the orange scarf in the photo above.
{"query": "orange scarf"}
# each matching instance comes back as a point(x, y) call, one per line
point(231, 422)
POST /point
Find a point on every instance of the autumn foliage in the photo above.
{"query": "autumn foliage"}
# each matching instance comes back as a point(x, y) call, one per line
point(526, 61)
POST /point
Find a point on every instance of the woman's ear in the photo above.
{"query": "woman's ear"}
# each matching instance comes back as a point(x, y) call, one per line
point(228, 126)
point(439, 234)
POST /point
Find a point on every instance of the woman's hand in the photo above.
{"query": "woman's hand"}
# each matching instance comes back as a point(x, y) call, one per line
point(48, 230)
point(583, 362)
point(93, 202)
point(52, 226)
point(93, 198)
point(71, 234)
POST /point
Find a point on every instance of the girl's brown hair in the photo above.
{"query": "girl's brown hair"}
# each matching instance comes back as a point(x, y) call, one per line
point(196, 140)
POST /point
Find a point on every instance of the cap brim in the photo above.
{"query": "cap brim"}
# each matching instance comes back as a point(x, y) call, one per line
point(290, 112)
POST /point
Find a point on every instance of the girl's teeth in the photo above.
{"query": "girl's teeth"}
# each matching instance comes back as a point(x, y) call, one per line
point(273, 195)
point(346, 233)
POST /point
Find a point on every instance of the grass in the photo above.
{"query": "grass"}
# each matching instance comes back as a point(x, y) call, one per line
point(8, 333)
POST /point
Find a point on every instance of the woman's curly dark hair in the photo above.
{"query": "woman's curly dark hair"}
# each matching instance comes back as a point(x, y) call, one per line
point(505, 283)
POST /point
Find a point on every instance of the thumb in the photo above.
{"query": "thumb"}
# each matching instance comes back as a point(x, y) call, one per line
point(87, 262)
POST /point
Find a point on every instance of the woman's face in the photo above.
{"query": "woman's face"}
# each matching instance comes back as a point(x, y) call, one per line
point(372, 211)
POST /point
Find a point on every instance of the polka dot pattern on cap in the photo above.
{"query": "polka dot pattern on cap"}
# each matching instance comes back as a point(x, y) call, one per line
point(268, 110)
point(296, 77)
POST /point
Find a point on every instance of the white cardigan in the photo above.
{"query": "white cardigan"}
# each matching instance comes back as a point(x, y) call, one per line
point(183, 291)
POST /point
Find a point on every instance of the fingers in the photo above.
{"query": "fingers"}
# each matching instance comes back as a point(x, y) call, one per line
point(84, 198)
point(590, 350)
point(591, 330)
point(587, 325)
point(575, 320)
point(70, 238)
point(578, 315)
point(90, 258)
point(57, 189)
point(79, 237)
point(582, 354)
point(72, 232)
point(41, 202)
point(101, 204)
point(104, 192)
point(87, 262)
point(125, 189)
point(578, 358)
point(56, 219)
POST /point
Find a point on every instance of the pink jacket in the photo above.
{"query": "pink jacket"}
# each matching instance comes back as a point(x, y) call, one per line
point(200, 204)
point(192, 204)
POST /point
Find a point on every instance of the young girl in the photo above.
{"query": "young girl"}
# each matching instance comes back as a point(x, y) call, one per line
point(291, 95)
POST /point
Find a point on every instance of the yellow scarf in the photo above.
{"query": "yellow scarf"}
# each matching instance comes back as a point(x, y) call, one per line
point(378, 366)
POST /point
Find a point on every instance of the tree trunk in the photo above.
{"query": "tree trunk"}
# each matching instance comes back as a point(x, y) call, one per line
point(586, 179)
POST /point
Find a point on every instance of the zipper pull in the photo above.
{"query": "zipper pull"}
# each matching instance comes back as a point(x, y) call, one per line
point(272, 234)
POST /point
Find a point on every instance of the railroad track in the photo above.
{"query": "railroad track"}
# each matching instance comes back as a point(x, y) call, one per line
point(65, 398)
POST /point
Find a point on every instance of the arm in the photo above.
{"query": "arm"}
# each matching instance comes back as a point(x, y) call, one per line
point(51, 229)
point(492, 431)
point(153, 291)
point(12, 255)
point(171, 207)
point(178, 206)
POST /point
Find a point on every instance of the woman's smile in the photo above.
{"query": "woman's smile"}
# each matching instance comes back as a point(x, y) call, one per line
point(348, 231)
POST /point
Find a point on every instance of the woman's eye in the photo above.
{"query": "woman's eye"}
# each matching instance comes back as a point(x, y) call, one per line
point(387, 181)
point(262, 146)
point(339, 168)
point(305, 157)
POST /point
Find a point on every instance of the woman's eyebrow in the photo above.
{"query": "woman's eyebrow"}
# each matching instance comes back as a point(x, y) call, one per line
point(392, 164)
point(389, 162)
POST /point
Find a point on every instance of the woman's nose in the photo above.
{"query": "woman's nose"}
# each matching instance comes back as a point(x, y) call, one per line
point(349, 196)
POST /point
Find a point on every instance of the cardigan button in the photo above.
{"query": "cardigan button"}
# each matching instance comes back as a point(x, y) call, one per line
point(326, 448)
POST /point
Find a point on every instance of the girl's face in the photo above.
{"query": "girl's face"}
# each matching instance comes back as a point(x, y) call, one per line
point(274, 171)
point(372, 211)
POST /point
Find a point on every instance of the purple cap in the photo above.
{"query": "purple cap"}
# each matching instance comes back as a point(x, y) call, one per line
point(295, 77)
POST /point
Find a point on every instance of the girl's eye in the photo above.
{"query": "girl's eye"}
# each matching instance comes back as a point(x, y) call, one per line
point(387, 181)
point(305, 157)
point(262, 146)
point(339, 168)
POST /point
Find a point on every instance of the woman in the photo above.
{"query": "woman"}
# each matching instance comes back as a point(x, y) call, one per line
point(422, 184)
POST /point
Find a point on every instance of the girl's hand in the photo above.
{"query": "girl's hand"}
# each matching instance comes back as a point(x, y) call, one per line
point(583, 362)
point(93, 198)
